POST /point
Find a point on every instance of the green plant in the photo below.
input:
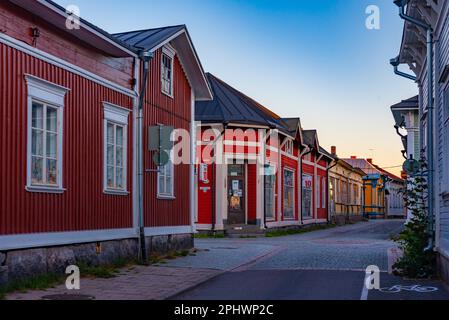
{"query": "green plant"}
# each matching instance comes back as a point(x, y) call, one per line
point(288, 232)
point(416, 262)
point(40, 282)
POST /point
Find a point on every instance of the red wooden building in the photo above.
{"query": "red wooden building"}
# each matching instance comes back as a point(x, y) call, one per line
point(251, 173)
point(68, 147)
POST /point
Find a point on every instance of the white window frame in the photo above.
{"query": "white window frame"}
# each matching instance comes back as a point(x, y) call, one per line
point(52, 95)
point(308, 215)
point(170, 195)
point(289, 147)
point(116, 115)
point(317, 191)
point(323, 193)
point(169, 52)
point(284, 186)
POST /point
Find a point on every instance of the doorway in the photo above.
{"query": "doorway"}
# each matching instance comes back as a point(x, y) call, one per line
point(236, 194)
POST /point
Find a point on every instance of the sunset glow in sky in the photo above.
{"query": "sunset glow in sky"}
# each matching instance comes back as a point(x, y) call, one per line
point(306, 58)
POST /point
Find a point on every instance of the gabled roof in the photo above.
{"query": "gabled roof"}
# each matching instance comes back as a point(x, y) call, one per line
point(232, 106)
point(411, 104)
point(310, 138)
point(363, 165)
point(389, 174)
point(90, 34)
point(293, 125)
point(179, 38)
point(327, 154)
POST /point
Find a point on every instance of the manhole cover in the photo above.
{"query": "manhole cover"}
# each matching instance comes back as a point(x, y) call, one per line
point(68, 297)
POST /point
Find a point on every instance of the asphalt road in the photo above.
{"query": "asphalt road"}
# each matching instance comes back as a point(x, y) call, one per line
point(328, 264)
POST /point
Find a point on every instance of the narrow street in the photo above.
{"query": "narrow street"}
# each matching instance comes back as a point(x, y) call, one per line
point(328, 264)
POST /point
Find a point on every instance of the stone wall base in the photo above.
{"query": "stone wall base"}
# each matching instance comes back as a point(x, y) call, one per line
point(443, 267)
point(21, 264)
point(342, 219)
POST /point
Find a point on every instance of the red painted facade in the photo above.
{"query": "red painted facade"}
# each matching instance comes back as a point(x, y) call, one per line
point(162, 109)
point(83, 205)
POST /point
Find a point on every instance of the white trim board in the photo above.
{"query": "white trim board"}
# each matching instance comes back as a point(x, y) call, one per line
point(161, 231)
point(37, 240)
point(58, 62)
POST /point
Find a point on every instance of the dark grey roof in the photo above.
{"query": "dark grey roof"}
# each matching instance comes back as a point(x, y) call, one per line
point(411, 103)
point(149, 38)
point(292, 125)
point(327, 154)
point(309, 137)
point(231, 106)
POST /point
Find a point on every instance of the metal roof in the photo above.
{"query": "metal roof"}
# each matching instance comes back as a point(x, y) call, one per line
point(178, 37)
point(411, 104)
point(310, 137)
point(363, 165)
point(232, 106)
point(149, 39)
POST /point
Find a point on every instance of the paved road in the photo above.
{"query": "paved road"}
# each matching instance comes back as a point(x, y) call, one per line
point(327, 264)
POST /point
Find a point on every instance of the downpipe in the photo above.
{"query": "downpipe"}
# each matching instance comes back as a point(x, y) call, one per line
point(430, 112)
point(146, 56)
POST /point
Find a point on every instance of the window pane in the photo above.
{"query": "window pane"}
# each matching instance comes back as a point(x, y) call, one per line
point(51, 145)
point(110, 133)
point(110, 177)
point(119, 179)
point(168, 186)
point(52, 119)
point(161, 184)
point(36, 170)
point(110, 155)
point(37, 143)
point(51, 172)
point(37, 116)
point(119, 134)
point(119, 157)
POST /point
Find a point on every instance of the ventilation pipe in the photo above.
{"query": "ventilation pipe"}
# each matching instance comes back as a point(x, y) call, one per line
point(430, 111)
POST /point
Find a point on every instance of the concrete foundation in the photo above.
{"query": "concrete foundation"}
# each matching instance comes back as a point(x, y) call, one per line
point(342, 219)
point(20, 264)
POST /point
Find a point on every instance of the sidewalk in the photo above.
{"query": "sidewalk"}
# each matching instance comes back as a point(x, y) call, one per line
point(136, 283)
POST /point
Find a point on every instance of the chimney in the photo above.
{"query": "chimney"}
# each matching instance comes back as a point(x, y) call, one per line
point(370, 160)
point(334, 150)
point(353, 157)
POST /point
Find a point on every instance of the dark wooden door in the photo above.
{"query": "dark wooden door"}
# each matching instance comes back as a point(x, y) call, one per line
point(236, 194)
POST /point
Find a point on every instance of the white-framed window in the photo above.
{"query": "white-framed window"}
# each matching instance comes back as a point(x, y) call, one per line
point(323, 193)
point(289, 147)
point(165, 179)
point(289, 193)
point(317, 191)
point(45, 135)
point(115, 149)
point(167, 58)
point(307, 192)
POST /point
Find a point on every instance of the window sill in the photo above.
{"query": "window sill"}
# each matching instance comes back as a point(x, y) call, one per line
point(116, 192)
point(168, 95)
point(162, 197)
point(45, 189)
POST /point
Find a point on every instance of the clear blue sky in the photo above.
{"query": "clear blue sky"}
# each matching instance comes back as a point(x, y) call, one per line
point(307, 58)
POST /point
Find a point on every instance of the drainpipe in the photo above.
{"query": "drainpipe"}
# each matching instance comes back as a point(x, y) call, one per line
point(430, 199)
point(146, 57)
point(328, 190)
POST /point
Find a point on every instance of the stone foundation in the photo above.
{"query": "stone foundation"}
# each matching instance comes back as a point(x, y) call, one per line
point(19, 264)
point(342, 219)
point(443, 267)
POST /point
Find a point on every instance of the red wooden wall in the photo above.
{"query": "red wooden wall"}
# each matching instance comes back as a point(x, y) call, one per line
point(83, 206)
point(176, 112)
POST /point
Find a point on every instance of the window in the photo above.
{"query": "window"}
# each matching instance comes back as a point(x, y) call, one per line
point(115, 149)
point(167, 70)
point(289, 193)
point(317, 192)
point(165, 179)
point(307, 195)
point(445, 130)
point(44, 150)
point(289, 147)
point(323, 193)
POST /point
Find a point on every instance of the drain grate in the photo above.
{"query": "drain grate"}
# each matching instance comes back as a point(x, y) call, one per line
point(66, 296)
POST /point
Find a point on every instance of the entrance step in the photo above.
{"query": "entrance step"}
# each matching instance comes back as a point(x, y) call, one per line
point(244, 231)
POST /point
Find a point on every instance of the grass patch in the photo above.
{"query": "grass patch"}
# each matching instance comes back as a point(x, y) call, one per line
point(289, 232)
point(103, 271)
point(40, 282)
point(209, 236)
